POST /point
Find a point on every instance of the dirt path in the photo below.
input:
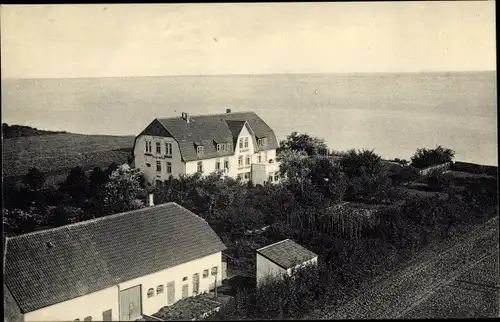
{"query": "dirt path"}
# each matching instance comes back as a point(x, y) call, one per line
point(404, 290)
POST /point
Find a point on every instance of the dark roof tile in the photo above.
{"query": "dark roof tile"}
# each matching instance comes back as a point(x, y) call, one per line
point(206, 129)
point(92, 255)
point(286, 253)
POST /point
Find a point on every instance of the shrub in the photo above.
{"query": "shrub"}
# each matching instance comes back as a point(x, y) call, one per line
point(427, 157)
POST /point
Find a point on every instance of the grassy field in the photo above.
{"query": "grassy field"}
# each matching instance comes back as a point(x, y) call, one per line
point(56, 154)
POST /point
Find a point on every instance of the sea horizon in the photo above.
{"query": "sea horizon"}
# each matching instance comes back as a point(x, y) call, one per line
point(391, 113)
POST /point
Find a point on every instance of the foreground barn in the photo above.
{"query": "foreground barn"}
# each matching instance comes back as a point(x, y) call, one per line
point(112, 268)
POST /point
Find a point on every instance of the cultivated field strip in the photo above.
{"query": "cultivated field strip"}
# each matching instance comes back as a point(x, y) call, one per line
point(55, 154)
point(395, 296)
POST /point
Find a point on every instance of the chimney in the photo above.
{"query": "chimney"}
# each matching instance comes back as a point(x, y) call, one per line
point(185, 117)
point(150, 200)
point(228, 110)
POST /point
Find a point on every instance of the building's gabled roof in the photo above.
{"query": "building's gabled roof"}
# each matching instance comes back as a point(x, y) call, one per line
point(286, 253)
point(208, 129)
point(47, 267)
point(235, 127)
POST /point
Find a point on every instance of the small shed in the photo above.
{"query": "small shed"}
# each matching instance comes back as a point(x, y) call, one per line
point(281, 258)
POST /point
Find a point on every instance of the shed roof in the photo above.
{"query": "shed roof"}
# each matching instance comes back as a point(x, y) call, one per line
point(219, 127)
point(47, 267)
point(286, 253)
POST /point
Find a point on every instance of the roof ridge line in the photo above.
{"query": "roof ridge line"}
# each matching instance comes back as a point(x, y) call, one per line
point(200, 115)
point(83, 222)
point(276, 243)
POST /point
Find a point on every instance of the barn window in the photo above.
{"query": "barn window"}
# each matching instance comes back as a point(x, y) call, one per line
point(107, 315)
point(159, 289)
point(205, 273)
point(151, 292)
point(185, 278)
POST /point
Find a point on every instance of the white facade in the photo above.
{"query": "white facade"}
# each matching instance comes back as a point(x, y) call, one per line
point(92, 306)
point(169, 158)
point(268, 269)
point(151, 305)
point(159, 166)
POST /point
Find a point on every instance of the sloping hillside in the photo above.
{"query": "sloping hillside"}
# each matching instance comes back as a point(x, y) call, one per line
point(16, 131)
point(56, 154)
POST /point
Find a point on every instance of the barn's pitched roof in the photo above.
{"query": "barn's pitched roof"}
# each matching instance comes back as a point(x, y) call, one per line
point(286, 253)
point(208, 130)
point(47, 267)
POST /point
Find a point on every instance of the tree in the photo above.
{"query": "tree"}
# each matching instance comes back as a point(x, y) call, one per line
point(122, 190)
point(112, 167)
point(427, 157)
point(304, 142)
point(76, 186)
point(293, 166)
point(366, 179)
point(22, 221)
point(34, 179)
point(97, 180)
point(64, 215)
point(327, 177)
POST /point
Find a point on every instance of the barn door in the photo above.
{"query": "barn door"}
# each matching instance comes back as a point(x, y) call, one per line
point(185, 291)
point(170, 292)
point(130, 304)
point(196, 283)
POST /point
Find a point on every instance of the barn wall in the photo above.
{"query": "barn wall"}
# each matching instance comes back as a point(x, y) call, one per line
point(91, 305)
point(267, 268)
point(153, 304)
point(12, 312)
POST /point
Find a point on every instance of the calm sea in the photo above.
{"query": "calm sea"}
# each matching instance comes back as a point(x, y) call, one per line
point(394, 114)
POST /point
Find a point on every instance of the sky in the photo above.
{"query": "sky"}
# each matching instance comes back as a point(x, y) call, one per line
point(122, 40)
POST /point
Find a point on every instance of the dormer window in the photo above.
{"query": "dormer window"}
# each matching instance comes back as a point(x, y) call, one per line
point(199, 150)
point(221, 147)
point(262, 142)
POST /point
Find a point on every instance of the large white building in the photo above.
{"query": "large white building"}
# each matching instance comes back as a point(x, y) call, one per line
point(237, 144)
point(114, 268)
point(281, 258)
